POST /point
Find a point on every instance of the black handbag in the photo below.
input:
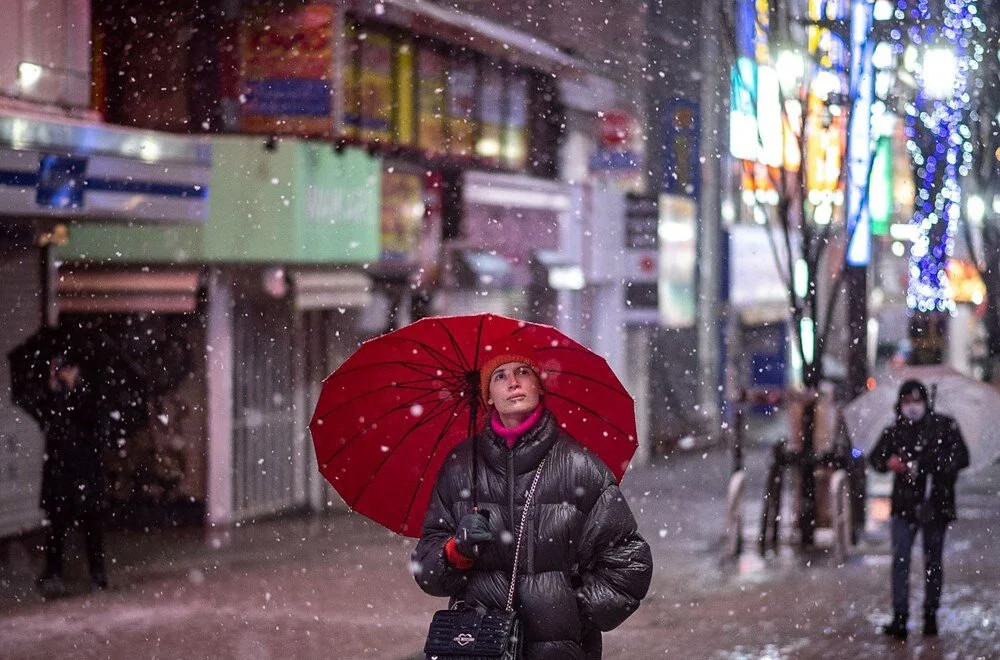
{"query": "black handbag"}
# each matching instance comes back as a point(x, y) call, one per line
point(469, 633)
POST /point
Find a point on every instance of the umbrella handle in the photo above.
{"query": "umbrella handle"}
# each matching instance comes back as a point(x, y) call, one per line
point(473, 413)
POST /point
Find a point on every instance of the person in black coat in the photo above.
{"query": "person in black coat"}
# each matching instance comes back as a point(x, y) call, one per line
point(925, 451)
point(584, 567)
point(73, 489)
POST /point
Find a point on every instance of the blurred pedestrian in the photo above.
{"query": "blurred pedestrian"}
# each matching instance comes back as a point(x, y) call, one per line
point(73, 491)
point(925, 451)
point(583, 566)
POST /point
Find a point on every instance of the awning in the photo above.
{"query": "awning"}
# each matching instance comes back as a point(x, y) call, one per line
point(128, 291)
point(467, 29)
point(515, 191)
point(483, 270)
point(318, 290)
point(560, 272)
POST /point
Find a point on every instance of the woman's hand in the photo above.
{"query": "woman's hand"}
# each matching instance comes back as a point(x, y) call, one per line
point(473, 530)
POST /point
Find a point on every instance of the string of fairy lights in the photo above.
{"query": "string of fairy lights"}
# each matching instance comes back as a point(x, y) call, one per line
point(939, 141)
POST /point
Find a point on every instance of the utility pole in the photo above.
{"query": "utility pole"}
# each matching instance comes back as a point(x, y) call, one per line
point(710, 326)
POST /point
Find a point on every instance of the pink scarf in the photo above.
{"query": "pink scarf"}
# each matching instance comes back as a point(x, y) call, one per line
point(512, 435)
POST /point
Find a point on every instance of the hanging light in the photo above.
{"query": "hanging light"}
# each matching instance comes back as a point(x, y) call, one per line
point(938, 71)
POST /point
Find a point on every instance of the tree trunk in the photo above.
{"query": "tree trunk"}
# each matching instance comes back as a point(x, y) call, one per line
point(991, 277)
point(807, 493)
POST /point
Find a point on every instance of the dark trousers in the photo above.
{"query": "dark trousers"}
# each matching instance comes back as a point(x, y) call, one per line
point(55, 540)
point(903, 535)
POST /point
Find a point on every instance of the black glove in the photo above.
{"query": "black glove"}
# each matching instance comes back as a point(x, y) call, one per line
point(473, 529)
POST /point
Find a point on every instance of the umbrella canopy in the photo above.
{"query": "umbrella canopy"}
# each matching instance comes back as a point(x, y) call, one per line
point(120, 385)
point(973, 404)
point(387, 418)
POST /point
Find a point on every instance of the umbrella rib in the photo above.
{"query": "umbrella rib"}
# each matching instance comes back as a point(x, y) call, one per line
point(430, 455)
point(617, 390)
point(388, 454)
point(479, 339)
point(574, 349)
point(409, 385)
point(415, 366)
point(351, 440)
point(462, 362)
point(590, 410)
point(442, 359)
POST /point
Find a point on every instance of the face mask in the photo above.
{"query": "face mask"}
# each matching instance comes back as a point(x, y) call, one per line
point(913, 411)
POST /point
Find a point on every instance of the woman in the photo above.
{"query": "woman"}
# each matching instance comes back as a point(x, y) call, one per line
point(584, 566)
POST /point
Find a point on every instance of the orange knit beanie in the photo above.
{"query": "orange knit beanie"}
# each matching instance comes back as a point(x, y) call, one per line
point(510, 351)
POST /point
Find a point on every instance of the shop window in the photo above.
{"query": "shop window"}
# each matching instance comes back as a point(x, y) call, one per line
point(515, 144)
point(443, 100)
point(463, 106)
point(352, 96)
point(374, 86)
point(432, 86)
point(492, 103)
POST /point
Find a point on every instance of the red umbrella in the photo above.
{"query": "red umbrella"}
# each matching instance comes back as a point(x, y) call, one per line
point(387, 418)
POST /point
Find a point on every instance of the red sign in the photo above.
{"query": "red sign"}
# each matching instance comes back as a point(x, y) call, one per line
point(613, 128)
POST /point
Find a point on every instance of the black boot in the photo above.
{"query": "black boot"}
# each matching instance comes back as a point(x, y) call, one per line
point(99, 579)
point(930, 624)
point(51, 586)
point(897, 628)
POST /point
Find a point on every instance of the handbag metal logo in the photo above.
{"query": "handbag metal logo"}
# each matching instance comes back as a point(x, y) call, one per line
point(464, 639)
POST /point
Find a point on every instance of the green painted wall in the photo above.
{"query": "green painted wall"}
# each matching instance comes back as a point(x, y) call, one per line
point(300, 203)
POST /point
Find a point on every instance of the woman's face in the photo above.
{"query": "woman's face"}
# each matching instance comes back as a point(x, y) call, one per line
point(514, 389)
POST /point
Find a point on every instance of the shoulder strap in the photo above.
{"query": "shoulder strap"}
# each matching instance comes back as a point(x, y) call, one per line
point(520, 537)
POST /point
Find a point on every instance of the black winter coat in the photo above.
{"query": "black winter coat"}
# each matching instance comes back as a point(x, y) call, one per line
point(72, 473)
point(584, 566)
point(934, 446)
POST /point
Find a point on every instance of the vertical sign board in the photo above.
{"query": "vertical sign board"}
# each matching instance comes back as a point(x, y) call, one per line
point(642, 245)
point(859, 147)
point(677, 256)
point(681, 162)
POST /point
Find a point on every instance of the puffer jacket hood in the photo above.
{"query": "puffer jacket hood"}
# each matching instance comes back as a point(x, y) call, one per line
point(584, 566)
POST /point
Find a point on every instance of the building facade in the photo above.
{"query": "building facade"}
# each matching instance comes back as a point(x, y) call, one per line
point(239, 195)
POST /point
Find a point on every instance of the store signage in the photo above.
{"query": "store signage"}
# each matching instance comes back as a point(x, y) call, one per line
point(613, 128)
point(286, 62)
point(60, 181)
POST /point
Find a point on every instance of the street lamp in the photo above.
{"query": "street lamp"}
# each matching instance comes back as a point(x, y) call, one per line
point(938, 71)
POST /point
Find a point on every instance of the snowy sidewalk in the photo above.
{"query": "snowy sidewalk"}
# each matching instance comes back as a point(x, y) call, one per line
point(339, 587)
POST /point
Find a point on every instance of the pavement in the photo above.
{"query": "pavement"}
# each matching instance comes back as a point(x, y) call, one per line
point(338, 586)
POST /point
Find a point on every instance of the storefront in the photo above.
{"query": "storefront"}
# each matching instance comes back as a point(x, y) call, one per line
point(156, 476)
point(60, 173)
point(280, 258)
point(496, 256)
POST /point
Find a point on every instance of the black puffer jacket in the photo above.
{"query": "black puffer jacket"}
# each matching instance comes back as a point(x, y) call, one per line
point(935, 449)
point(584, 566)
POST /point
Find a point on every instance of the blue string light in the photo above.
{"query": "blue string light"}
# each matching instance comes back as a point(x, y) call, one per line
point(940, 147)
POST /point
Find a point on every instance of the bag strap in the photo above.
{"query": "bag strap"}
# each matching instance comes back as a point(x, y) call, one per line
point(520, 536)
